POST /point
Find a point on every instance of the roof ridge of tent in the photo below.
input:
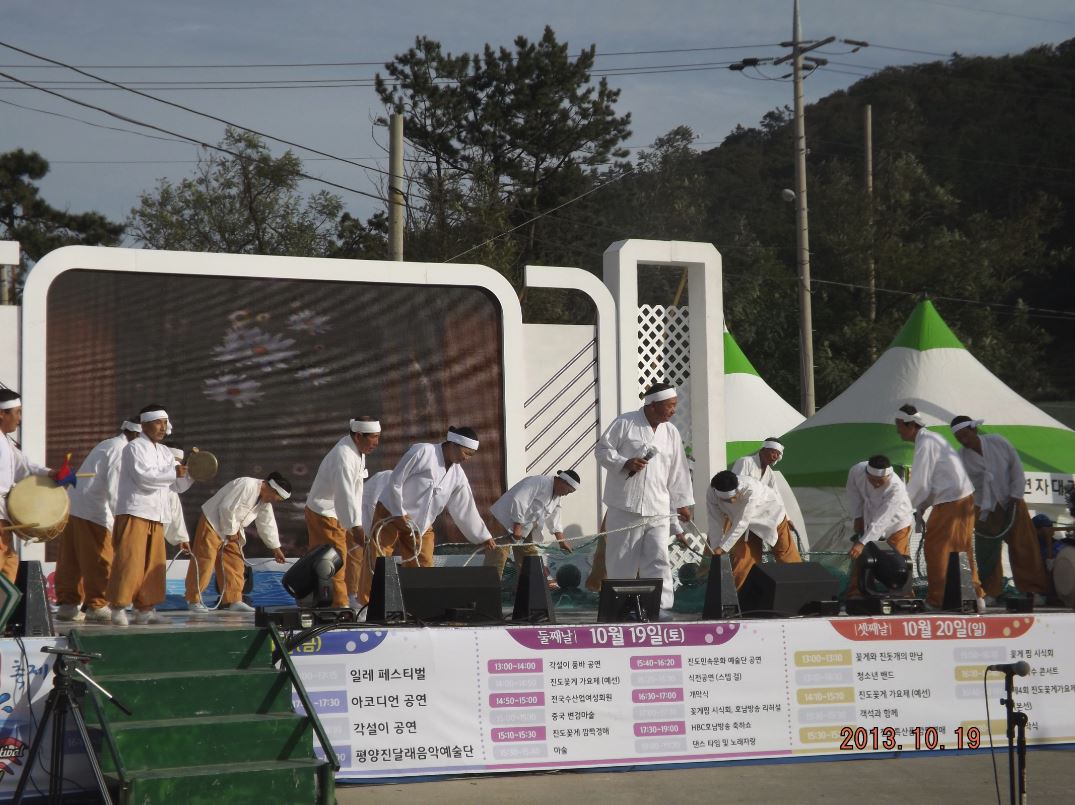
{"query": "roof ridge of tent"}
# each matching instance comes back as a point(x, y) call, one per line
point(925, 329)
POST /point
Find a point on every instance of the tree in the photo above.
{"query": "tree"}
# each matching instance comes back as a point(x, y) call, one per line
point(37, 226)
point(501, 137)
point(242, 202)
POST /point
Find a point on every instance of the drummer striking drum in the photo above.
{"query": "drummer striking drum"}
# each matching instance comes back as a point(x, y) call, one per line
point(14, 466)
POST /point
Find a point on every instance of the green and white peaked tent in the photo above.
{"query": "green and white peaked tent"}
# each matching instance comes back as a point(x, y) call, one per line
point(752, 410)
point(927, 366)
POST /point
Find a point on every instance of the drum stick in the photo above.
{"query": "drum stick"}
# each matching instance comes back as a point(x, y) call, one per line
point(18, 526)
point(85, 475)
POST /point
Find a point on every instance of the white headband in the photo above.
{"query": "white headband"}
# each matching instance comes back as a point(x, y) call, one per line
point(771, 445)
point(726, 495)
point(567, 479)
point(153, 416)
point(177, 452)
point(6, 404)
point(284, 495)
point(134, 427)
point(463, 441)
point(905, 417)
point(879, 472)
point(970, 423)
point(365, 426)
point(658, 396)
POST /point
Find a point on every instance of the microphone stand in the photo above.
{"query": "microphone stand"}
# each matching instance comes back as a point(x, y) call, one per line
point(1017, 721)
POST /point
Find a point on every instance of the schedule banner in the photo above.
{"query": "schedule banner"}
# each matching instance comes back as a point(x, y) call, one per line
point(405, 702)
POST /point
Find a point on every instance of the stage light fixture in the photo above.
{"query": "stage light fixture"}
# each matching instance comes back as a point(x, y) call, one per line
point(309, 580)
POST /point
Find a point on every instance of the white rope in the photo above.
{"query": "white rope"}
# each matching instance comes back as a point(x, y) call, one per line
point(222, 579)
point(644, 521)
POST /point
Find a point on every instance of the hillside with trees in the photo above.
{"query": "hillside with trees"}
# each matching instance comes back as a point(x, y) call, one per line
point(516, 157)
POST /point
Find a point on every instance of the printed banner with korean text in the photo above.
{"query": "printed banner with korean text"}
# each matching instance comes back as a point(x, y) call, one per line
point(408, 702)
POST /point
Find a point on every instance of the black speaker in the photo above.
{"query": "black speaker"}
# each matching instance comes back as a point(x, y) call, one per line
point(452, 594)
point(31, 617)
point(533, 603)
point(959, 592)
point(386, 597)
point(721, 599)
point(776, 589)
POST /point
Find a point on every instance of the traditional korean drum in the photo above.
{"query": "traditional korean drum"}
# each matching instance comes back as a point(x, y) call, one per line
point(38, 507)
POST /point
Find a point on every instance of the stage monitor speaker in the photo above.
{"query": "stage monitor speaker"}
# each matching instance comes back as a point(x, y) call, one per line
point(533, 604)
point(386, 597)
point(721, 598)
point(630, 601)
point(10, 596)
point(959, 592)
point(31, 617)
point(452, 594)
point(776, 589)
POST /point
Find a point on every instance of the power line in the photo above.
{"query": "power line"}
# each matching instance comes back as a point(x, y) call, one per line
point(1011, 14)
point(90, 123)
point(542, 215)
point(185, 109)
point(358, 63)
point(194, 140)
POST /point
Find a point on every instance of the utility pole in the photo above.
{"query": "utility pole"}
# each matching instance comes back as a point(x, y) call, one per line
point(802, 231)
point(395, 187)
point(799, 49)
point(871, 275)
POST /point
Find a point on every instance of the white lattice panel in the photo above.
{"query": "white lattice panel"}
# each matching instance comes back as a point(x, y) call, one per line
point(664, 354)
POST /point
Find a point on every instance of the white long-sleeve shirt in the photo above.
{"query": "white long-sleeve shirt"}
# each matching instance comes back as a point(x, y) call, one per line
point(146, 476)
point(997, 473)
point(423, 486)
point(937, 474)
point(236, 505)
point(750, 467)
point(94, 499)
point(664, 484)
point(337, 487)
point(372, 489)
point(757, 509)
point(14, 466)
point(532, 503)
point(884, 510)
point(175, 529)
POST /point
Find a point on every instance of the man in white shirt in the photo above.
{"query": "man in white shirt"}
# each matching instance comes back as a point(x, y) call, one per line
point(747, 552)
point(14, 466)
point(148, 473)
point(526, 508)
point(85, 559)
point(878, 502)
point(995, 469)
point(938, 480)
point(743, 514)
point(175, 527)
point(334, 506)
point(428, 480)
point(646, 478)
point(220, 535)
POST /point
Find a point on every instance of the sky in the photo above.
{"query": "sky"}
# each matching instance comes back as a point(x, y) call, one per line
point(133, 41)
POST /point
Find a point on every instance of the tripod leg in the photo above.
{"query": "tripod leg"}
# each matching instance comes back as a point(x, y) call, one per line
point(35, 746)
point(102, 786)
point(59, 727)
